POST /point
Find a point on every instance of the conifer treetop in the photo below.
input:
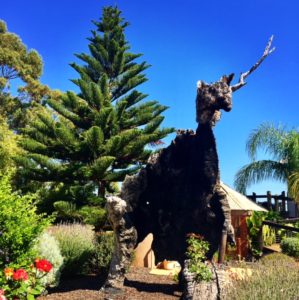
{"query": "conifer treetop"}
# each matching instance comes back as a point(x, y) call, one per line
point(101, 133)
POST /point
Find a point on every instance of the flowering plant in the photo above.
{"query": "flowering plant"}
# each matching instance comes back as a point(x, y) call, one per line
point(2, 297)
point(24, 283)
point(43, 265)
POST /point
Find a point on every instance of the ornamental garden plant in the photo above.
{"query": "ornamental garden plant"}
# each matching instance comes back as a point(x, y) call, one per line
point(77, 245)
point(196, 252)
point(24, 283)
point(20, 272)
point(20, 225)
point(47, 246)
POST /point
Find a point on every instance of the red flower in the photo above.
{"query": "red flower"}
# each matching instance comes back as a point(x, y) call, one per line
point(1, 292)
point(43, 265)
point(20, 275)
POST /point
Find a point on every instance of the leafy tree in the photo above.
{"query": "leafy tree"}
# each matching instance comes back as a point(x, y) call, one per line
point(283, 147)
point(8, 146)
point(96, 137)
point(17, 62)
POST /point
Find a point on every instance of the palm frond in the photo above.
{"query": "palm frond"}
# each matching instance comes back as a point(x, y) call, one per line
point(293, 182)
point(269, 138)
point(292, 151)
point(259, 171)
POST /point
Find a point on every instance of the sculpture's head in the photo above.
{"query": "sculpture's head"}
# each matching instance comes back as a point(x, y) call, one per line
point(211, 98)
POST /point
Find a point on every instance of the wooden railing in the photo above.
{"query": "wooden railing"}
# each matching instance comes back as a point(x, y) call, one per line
point(279, 203)
point(281, 226)
point(277, 226)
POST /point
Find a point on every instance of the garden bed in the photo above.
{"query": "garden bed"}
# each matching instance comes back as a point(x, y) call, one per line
point(139, 284)
point(275, 277)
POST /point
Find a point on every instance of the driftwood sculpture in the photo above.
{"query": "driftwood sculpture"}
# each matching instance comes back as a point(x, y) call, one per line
point(178, 191)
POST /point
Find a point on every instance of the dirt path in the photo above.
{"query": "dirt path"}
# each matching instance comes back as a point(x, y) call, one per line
point(139, 284)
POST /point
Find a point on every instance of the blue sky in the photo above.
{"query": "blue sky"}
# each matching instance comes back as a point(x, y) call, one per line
point(184, 41)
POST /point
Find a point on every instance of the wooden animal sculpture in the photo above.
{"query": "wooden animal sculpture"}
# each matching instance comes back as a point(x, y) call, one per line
point(178, 191)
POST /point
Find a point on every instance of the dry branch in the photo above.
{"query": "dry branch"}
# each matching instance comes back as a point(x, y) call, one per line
point(243, 76)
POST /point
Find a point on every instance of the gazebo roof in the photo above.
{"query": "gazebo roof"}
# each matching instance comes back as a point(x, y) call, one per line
point(239, 202)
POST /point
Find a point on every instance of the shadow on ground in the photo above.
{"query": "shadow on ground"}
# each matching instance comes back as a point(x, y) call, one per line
point(86, 282)
point(139, 285)
point(164, 288)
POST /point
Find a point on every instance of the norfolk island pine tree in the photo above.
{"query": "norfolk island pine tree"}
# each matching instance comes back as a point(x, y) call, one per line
point(85, 142)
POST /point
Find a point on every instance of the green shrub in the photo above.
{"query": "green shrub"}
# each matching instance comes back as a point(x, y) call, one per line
point(290, 246)
point(268, 235)
point(260, 235)
point(20, 225)
point(67, 211)
point(271, 279)
point(47, 247)
point(95, 216)
point(91, 215)
point(196, 252)
point(103, 252)
point(254, 225)
point(77, 246)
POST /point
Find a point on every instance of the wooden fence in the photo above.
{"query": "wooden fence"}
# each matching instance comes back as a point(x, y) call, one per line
point(279, 203)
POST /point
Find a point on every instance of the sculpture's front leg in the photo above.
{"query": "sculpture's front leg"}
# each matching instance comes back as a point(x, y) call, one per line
point(125, 242)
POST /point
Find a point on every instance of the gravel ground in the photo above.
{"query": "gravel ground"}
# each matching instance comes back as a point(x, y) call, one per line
point(139, 284)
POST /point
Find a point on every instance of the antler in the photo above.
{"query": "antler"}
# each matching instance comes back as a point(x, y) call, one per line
point(243, 76)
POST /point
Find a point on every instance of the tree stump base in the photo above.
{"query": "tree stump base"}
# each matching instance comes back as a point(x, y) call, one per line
point(212, 290)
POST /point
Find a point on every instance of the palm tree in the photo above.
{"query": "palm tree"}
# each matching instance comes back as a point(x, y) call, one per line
point(283, 148)
point(294, 186)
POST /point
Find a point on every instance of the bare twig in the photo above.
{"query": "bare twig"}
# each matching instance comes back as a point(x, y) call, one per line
point(243, 76)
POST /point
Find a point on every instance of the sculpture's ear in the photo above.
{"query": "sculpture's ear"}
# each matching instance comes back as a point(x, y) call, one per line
point(230, 78)
point(200, 84)
point(227, 79)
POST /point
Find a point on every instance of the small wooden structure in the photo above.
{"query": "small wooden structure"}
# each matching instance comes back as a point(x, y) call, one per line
point(240, 206)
